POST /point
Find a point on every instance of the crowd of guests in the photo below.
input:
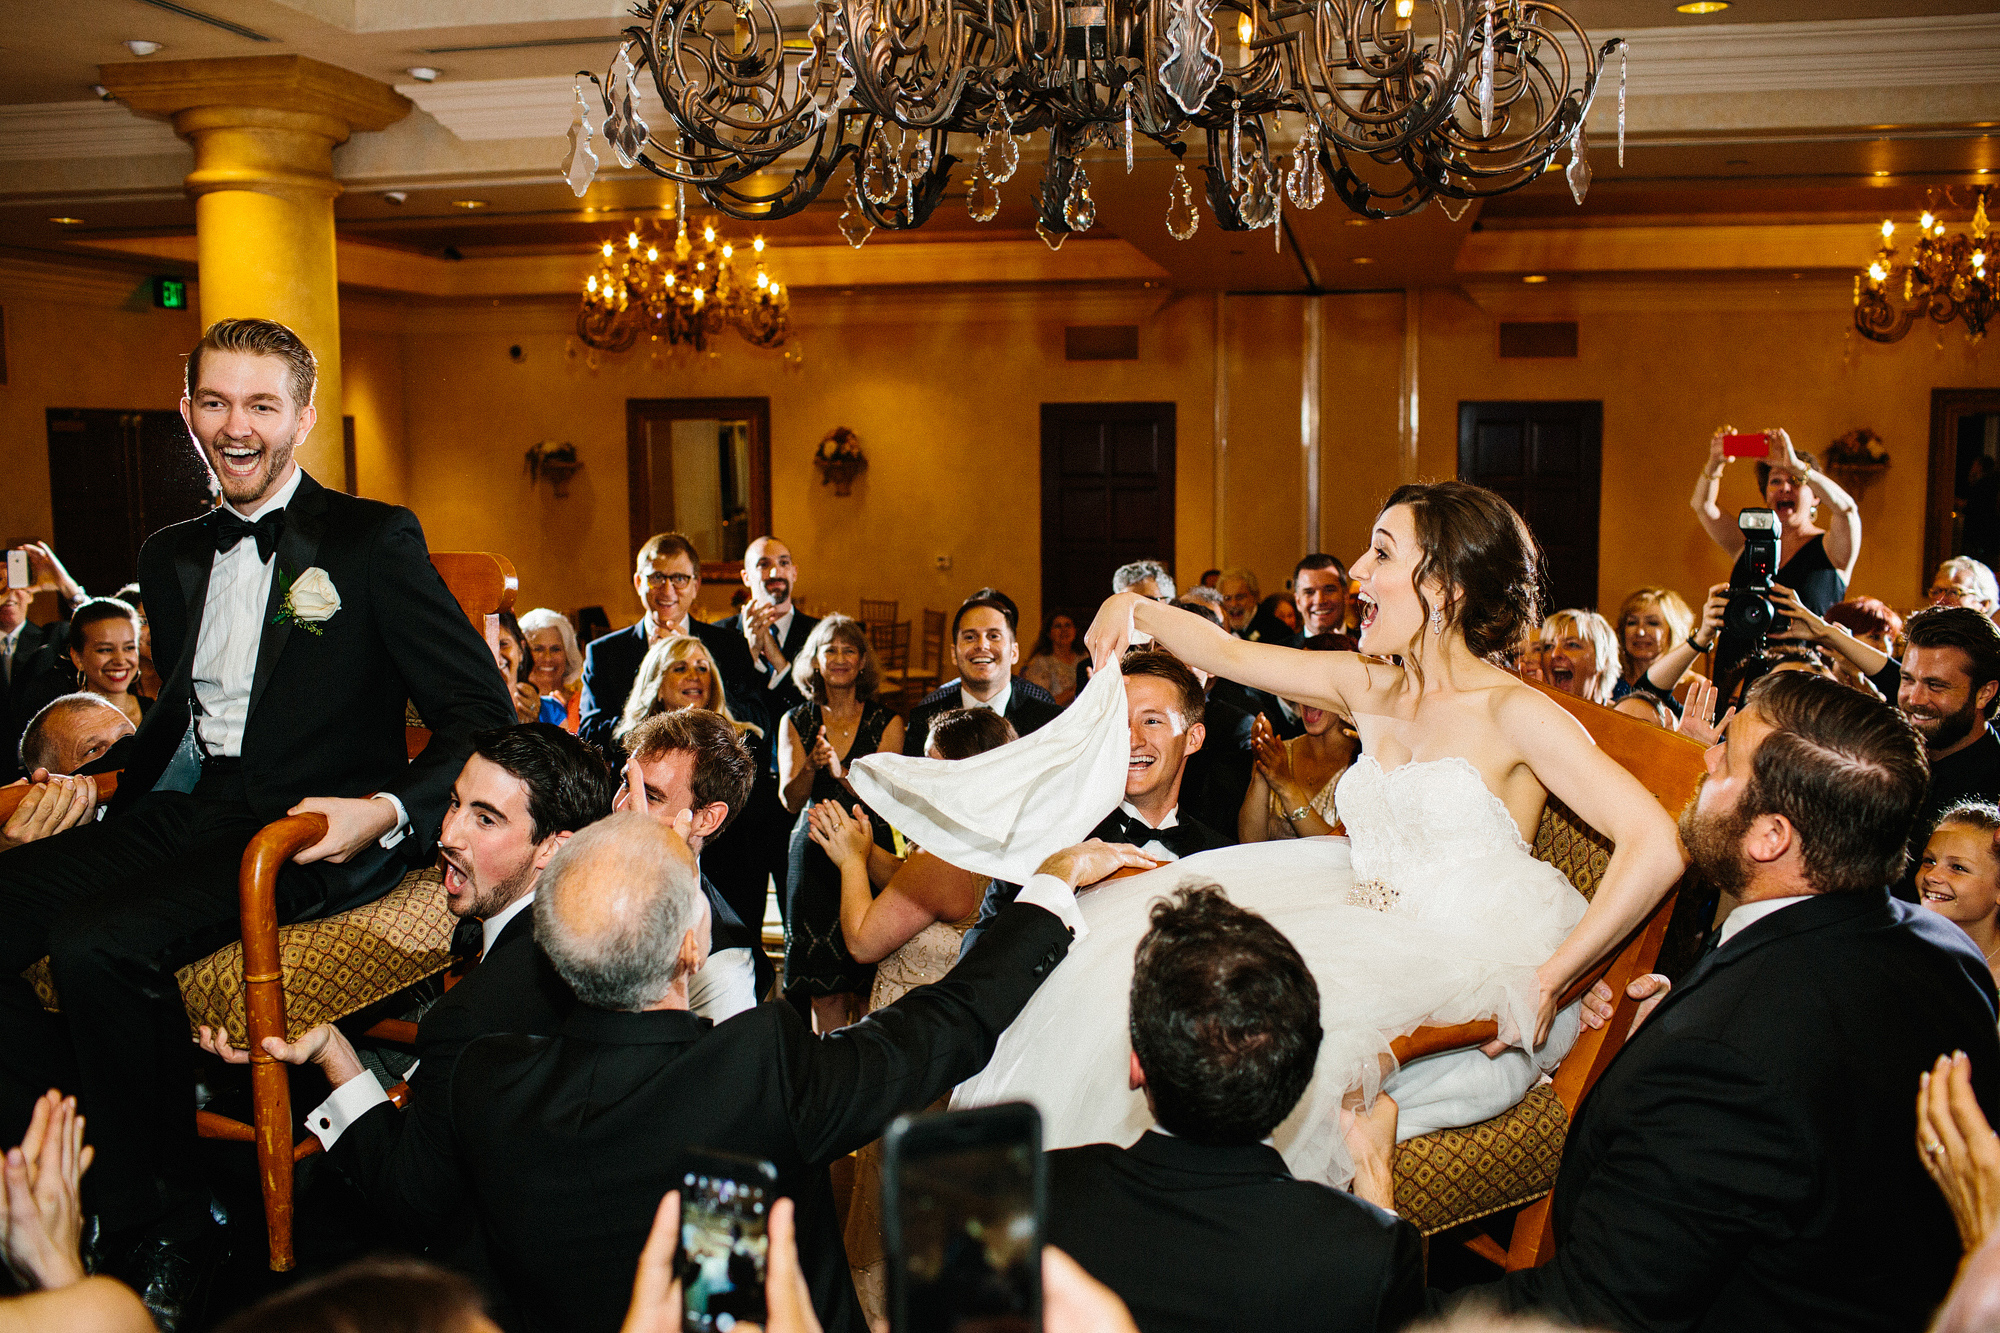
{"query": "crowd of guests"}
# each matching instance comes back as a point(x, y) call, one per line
point(613, 814)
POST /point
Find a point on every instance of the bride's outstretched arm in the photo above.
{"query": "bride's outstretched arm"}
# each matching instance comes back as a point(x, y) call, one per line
point(1324, 680)
point(1646, 859)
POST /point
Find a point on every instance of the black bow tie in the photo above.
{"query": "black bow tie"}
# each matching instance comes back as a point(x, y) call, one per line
point(1118, 826)
point(230, 530)
point(468, 938)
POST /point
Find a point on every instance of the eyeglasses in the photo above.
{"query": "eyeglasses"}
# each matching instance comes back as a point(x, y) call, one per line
point(681, 582)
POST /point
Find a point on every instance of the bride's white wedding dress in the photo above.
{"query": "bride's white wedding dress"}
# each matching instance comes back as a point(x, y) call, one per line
point(1431, 911)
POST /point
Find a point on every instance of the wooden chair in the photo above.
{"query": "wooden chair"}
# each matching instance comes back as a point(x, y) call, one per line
point(916, 680)
point(285, 981)
point(875, 612)
point(1456, 1176)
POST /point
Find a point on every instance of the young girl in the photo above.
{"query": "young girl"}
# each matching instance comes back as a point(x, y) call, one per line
point(1959, 877)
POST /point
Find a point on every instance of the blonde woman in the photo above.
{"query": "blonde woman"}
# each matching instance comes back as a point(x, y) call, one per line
point(678, 673)
point(1650, 621)
point(1582, 654)
point(558, 662)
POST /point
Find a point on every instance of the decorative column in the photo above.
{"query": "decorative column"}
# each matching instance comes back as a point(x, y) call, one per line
point(264, 130)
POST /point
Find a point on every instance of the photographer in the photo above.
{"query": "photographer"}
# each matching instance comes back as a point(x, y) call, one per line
point(1816, 561)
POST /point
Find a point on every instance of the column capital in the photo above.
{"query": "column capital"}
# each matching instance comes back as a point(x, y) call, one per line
point(296, 84)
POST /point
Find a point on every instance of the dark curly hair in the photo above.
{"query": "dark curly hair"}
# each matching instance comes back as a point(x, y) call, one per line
point(1225, 1019)
point(1476, 546)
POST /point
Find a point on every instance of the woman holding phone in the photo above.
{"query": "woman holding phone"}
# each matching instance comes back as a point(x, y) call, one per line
point(1816, 562)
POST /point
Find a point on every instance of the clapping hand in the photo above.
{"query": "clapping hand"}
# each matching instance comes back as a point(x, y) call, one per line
point(52, 804)
point(1274, 761)
point(41, 1220)
point(758, 617)
point(822, 755)
point(844, 840)
point(1959, 1148)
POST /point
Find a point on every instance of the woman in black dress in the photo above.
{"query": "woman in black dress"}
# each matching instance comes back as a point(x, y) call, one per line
point(1814, 562)
point(839, 721)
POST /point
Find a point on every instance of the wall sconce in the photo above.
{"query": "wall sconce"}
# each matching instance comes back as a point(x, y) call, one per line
point(839, 459)
point(557, 462)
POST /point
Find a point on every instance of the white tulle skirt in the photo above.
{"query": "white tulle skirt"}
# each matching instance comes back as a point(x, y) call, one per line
point(1380, 975)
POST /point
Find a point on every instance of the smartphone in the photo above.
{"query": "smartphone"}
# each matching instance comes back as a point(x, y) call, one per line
point(1746, 446)
point(725, 1211)
point(17, 569)
point(964, 1197)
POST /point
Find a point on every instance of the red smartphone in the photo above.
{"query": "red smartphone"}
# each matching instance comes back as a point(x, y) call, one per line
point(1746, 446)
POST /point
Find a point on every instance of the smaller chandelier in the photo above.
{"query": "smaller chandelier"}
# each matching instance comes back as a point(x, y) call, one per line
point(684, 289)
point(1945, 278)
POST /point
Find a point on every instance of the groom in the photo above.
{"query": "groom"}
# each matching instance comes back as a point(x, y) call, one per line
point(292, 624)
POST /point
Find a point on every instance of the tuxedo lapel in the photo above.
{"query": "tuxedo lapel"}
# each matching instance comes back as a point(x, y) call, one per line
point(298, 547)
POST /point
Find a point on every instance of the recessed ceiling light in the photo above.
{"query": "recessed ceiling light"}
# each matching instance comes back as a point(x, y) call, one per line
point(1362, 259)
point(1357, 222)
point(140, 47)
point(422, 73)
point(395, 196)
point(468, 204)
point(67, 222)
point(103, 93)
point(1880, 174)
point(1702, 7)
point(1534, 277)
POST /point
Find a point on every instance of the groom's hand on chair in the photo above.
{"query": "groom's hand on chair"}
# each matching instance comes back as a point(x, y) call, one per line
point(1088, 862)
point(352, 822)
point(1599, 1004)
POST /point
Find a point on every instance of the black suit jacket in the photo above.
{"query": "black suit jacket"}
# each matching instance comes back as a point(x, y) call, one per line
point(782, 698)
point(1201, 1239)
point(1749, 1160)
point(1029, 708)
point(564, 1145)
point(41, 654)
point(1216, 777)
point(326, 709)
point(1246, 700)
point(611, 664)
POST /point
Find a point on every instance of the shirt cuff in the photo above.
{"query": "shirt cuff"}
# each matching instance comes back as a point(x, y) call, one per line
point(349, 1102)
point(1052, 895)
point(779, 675)
point(402, 829)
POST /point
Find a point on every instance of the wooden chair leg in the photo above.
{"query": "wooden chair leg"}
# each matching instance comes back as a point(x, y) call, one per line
point(1534, 1236)
point(271, 1095)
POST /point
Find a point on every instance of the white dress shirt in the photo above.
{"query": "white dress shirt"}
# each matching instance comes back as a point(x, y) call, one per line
point(1156, 849)
point(1751, 913)
point(998, 703)
point(490, 928)
point(1052, 895)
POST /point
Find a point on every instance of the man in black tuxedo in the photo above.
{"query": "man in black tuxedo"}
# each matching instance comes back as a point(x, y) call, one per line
point(294, 624)
point(1200, 1226)
point(1164, 708)
point(1748, 1161)
point(984, 645)
point(566, 1144)
point(668, 580)
point(775, 631)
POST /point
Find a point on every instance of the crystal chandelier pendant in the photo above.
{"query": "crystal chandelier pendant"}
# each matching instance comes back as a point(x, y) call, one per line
point(983, 200)
point(1050, 237)
point(1578, 170)
point(1128, 129)
point(913, 174)
point(1624, 56)
point(580, 166)
point(1182, 218)
point(1192, 66)
point(1305, 182)
point(881, 179)
point(623, 128)
point(854, 224)
point(1257, 193)
point(1002, 153)
point(1079, 210)
point(1486, 63)
point(1454, 209)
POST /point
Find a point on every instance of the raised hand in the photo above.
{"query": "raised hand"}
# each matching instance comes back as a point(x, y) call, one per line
point(1959, 1148)
point(1274, 761)
point(1111, 630)
point(656, 1292)
point(41, 1218)
point(1717, 459)
point(1784, 455)
point(1694, 721)
point(823, 755)
point(527, 703)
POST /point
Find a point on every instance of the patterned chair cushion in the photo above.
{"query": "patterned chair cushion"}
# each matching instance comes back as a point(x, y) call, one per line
point(1572, 846)
point(333, 968)
point(1456, 1175)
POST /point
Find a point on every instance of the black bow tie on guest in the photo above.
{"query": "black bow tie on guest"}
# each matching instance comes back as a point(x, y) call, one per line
point(468, 938)
point(230, 530)
point(1118, 826)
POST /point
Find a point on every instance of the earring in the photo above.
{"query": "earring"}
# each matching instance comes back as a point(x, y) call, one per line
point(1437, 620)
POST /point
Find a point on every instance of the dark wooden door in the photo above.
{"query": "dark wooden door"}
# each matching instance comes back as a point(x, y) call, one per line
point(1107, 498)
point(1545, 459)
point(116, 478)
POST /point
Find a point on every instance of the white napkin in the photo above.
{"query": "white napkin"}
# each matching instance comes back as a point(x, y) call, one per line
point(1002, 813)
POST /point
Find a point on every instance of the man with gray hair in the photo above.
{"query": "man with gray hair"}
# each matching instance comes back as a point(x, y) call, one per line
point(565, 1145)
point(1148, 578)
point(71, 731)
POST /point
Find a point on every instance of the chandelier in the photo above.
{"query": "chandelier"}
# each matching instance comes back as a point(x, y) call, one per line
point(1945, 277)
point(683, 290)
point(1391, 103)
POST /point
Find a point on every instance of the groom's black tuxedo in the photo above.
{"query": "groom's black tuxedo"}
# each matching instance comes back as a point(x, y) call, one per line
point(1749, 1160)
point(564, 1145)
point(118, 906)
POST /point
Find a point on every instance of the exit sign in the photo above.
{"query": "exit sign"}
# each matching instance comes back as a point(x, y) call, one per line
point(170, 294)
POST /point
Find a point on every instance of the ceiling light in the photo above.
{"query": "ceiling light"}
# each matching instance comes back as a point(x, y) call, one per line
point(1362, 259)
point(1534, 277)
point(468, 204)
point(103, 93)
point(395, 196)
point(140, 47)
point(422, 73)
point(1702, 7)
point(67, 222)
point(1357, 222)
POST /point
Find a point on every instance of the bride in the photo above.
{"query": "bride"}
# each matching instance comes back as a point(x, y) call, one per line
point(1433, 910)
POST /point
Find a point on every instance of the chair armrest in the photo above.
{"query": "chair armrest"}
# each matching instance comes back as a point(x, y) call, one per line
point(13, 794)
point(257, 886)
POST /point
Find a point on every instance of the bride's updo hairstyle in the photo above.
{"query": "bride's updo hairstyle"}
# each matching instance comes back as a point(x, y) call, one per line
point(1475, 546)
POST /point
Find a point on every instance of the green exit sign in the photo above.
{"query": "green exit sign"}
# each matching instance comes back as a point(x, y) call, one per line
point(170, 294)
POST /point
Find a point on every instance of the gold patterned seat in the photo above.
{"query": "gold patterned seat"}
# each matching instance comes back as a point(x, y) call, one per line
point(1455, 1176)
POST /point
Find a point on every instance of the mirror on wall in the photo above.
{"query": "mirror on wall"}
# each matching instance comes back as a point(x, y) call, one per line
point(701, 467)
point(1964, 505)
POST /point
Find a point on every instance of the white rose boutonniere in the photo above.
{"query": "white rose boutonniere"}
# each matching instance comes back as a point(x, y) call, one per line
point(306, 599)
